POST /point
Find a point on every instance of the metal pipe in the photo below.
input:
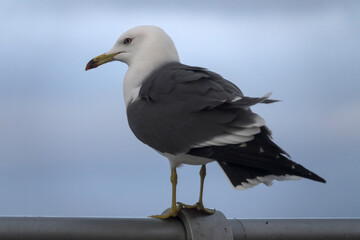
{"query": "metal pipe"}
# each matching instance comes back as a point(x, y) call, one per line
point(90, 228)
point(144, 228)
point(295, 229)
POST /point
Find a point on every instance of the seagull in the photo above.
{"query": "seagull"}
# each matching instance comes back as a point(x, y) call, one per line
point(194, 116)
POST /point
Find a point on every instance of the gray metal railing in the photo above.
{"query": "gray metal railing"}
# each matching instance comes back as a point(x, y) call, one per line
point(187, 227)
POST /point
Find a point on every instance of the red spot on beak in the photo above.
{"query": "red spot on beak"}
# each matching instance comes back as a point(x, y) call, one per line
point(91, 64)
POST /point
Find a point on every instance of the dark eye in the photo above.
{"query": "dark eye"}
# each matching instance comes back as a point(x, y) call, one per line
point(127, 40)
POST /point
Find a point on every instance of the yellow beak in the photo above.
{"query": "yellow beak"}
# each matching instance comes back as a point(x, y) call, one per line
point(99, 60)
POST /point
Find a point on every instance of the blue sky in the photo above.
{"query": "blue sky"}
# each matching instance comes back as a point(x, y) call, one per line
point(65, 146)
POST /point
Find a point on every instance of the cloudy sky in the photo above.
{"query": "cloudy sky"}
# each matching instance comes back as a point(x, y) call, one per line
point(65, 146)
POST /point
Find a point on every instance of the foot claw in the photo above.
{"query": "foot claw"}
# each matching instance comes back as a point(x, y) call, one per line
point(198, 206)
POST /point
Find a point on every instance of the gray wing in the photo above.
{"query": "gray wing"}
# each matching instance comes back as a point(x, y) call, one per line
point(182, 107)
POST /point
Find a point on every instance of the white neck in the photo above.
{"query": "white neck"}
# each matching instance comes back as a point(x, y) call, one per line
point(132, 83)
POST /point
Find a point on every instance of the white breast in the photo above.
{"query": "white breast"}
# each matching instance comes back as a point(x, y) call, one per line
point(183, 158)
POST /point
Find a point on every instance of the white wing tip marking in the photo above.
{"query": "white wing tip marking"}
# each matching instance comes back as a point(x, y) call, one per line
point(267, 95)
point(237, 98)
point(261, 150)
point(267, 180)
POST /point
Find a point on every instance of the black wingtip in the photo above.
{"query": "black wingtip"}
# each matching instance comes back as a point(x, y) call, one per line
point(317, 178)
point(270, 101)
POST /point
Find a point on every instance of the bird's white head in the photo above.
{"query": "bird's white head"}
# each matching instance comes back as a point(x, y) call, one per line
point(142, 45)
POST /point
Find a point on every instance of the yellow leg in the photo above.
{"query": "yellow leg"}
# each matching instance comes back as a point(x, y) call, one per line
point(202, 179)
point(174, 210)
point(200, 205)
